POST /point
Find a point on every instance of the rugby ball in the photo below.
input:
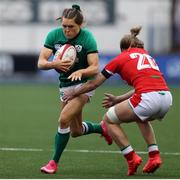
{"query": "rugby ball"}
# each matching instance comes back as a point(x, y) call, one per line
point(66, 52)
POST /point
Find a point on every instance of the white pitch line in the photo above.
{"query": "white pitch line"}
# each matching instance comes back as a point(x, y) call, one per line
point(20, 149)
point(117, 152)
point(81, 151)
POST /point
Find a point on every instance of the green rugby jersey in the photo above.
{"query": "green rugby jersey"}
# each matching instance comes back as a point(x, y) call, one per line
point(84, 43)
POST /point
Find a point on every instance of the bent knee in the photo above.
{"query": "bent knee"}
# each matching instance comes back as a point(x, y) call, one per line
point(76, 133)
point(112, 116)
point(64, 120)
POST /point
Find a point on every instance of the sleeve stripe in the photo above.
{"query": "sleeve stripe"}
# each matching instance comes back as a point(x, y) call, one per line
point(106, 73)
point(49, 47)
point(92, 52)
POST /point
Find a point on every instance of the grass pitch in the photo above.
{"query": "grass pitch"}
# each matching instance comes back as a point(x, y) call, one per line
point(28, 123)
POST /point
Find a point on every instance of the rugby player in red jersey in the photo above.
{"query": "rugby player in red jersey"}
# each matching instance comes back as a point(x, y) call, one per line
point(149, 100)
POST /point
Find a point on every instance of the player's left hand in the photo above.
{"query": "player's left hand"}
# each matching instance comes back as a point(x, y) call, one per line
point(77, 75)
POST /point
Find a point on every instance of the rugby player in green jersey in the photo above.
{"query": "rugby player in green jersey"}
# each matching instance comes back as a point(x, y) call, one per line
point(85, 67)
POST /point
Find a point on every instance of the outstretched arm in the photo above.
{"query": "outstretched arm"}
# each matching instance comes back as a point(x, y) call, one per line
point(110, 100)
point(88, 86)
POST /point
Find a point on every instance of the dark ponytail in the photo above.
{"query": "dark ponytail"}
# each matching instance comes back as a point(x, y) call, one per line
point(77, 7)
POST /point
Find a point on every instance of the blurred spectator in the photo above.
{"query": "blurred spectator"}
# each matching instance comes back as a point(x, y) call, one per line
point(176, 24)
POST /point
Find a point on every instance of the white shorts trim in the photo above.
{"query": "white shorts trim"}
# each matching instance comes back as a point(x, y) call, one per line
point(71, 89)
point(153, 105)
point(111, 114)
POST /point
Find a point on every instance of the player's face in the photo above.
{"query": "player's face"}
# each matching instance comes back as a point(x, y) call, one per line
point(70, 28)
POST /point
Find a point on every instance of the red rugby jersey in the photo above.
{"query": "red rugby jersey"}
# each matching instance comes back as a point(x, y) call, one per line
point(138, 69)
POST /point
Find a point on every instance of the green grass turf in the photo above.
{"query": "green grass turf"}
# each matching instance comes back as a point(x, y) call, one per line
point(28, 119)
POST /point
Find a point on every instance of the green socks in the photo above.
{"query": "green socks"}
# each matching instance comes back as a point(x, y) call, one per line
point(61, 139)
point(89, 127)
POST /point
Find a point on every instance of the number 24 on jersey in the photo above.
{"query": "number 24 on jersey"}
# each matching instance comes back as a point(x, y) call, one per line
point(144, 61)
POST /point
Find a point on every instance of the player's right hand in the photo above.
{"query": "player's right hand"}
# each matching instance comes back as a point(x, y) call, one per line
point(63, 66)
point(109, 100)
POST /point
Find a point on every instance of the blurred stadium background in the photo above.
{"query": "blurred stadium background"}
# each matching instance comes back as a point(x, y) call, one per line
point(29, 97)
point(25, 23)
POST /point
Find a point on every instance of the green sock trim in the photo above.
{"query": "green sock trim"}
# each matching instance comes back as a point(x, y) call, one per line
point(92, 128)
point(61, 141)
